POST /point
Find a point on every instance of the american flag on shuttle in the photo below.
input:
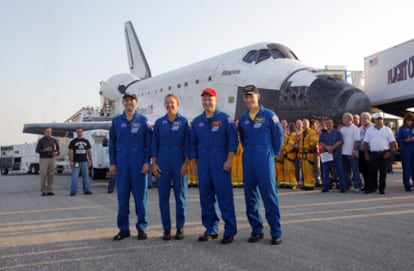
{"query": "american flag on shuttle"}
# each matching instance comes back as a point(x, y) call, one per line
point(373, 61)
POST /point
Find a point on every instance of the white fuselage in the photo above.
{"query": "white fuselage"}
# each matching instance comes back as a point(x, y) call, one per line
point(225, 73)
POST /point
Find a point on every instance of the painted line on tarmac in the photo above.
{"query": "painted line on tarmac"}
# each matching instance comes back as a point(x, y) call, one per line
point(57, 209)
point(349, 210)
point(41, 224)
point(192, 228)
point(80, 259)
point(333, 218)
point(330, 203)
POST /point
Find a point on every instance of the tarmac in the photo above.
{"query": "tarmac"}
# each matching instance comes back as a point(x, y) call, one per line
point(321, 231)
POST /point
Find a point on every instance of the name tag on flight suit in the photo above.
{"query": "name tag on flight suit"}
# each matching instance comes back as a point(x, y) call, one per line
point(135, 127)
point(176, 125)
point(258, 122)
point(216, 126)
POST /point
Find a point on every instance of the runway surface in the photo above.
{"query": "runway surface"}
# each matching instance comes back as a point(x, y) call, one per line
point(321, 231)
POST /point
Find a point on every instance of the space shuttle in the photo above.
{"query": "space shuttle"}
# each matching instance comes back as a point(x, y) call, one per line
point(287, 86)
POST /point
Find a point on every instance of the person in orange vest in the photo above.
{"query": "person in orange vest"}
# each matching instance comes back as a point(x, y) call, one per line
point(290, 158)
point(237, 168)
point(307, 151)
point(192, 178)
point(280, 160)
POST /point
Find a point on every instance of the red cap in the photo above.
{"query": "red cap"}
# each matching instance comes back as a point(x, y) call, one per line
point(209, 91)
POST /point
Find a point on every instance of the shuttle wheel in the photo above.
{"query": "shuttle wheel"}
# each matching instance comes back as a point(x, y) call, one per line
point(4, 171)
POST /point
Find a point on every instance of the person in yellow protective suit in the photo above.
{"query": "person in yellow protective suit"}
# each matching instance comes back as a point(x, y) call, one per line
point(192, 178)
point(237, 168)
point(307, 151)
point(280, 159)
point(290, 158)
point(280, 166)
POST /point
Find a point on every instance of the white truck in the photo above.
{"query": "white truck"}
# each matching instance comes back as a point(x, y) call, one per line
point(22, 159)
point(389, 78)
point(100, 153)
point(19, 159)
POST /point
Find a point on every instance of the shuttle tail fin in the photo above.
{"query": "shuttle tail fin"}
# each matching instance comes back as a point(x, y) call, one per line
point(137, 62)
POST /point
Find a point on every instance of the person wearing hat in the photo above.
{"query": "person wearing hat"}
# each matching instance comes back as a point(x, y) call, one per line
point(213, 144)
point(379, 142)
point(170, 154)
point(129, 157)
point(405, 137)
point(262, 137)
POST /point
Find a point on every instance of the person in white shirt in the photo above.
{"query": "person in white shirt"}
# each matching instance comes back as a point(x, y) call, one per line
point(379, 142)
point(363, 164)
point(351, 136)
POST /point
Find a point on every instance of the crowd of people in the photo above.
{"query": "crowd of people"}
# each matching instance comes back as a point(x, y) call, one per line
point(258, 152)
point(329, 155)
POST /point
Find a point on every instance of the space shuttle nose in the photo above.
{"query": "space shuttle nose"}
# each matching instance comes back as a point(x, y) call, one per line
point(357, 103)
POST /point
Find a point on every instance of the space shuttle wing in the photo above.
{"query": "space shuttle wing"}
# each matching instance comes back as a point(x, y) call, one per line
point(65, 129)
point(137, 62)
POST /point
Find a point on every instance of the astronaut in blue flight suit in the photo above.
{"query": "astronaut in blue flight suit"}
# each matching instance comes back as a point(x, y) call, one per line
point(213, 143)
point(405, 137)
point(170, 154)
point(261, 135)
point(129, 156)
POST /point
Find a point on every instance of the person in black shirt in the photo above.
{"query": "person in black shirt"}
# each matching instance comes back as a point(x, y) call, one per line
point(80, 157)
point(47, 148)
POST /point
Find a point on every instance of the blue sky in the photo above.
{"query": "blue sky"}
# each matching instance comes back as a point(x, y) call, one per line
point(54, 52)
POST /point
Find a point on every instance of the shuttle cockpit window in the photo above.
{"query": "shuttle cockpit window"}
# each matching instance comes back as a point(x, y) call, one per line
point(250, 56)
point(258, 56)
point(276, 53)
point(263, 55)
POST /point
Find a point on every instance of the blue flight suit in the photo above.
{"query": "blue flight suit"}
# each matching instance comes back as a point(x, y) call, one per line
point(129, 149)
point(211, 140)
point(171, 145)
point(407, 154)
point(262, 139)
point(330, 139)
